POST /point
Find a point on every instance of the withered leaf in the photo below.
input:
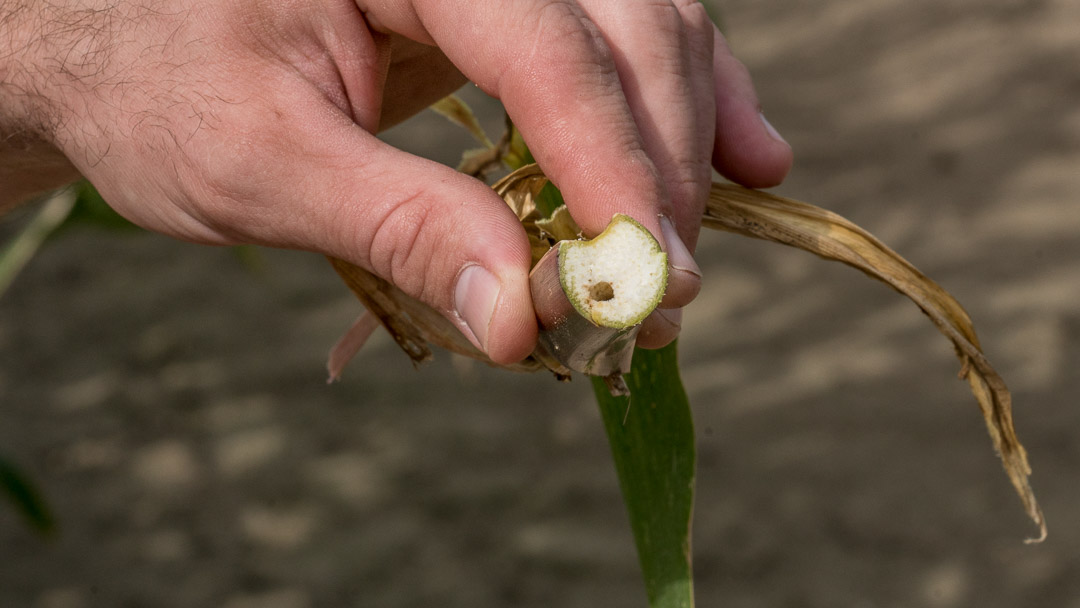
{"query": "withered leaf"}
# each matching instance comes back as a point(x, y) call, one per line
point(454, 109)
point(765, 216)
point(382, 299)
point(520, 189)
point(350, 344)
point(411, 323)
point(480, 161)
point(560, 226)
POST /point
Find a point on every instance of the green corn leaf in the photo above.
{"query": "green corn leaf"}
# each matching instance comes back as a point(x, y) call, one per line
point(76, 205)
point(26, 499)
point(651, 433)
point(19, 251)
point(549, 200)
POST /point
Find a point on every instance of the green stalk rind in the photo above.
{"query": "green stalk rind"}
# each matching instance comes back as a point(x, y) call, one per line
point(651, 433)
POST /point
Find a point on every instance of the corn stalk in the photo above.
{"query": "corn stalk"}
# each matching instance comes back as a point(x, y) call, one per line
point(651, 433)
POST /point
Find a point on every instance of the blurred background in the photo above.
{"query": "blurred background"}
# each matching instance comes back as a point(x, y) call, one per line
point(170, 399)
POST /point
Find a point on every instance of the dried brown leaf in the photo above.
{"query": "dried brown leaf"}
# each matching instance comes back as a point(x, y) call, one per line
point(454, 109)
point(381, 299)
point(412, 323)
point(773, 218)
point(349, 344)
point(520, 189)
point(480, 161)
point(560, 226)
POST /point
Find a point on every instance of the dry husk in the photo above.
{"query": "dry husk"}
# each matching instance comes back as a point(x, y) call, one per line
point(765, 216)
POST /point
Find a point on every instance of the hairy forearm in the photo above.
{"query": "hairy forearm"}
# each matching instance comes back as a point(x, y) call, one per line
point(29, 163)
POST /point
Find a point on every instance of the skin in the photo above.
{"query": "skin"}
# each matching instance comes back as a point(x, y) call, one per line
point(254, 122)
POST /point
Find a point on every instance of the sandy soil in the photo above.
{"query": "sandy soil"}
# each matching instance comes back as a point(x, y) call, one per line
point(171, 401)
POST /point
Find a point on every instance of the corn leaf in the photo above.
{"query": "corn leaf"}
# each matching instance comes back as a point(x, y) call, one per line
point(350, 344)
point(26, 499)
point(14, 257)
point(651, 433)
point(765, 216)
point(454, 109)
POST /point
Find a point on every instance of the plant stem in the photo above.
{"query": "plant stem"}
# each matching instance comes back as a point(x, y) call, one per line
point(651, 433)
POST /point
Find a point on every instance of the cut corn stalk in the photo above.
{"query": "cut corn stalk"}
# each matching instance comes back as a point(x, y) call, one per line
point(591, 297)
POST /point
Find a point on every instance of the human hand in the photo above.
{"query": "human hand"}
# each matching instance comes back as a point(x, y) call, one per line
point(254, 122)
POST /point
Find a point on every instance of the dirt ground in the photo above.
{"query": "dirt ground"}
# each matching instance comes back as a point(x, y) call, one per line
point(170, 398)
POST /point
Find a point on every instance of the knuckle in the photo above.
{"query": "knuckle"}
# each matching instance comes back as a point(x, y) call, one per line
point(690, 184)
point(421, 239)
point(229, 177)
point(564, 35)
point(686, 177)
point(668, 50)
point(230, 172)
point(688, 5)
point(399, 247)
point(699, 28)
point(220, 190)
point(661, 18)
point(666, 16)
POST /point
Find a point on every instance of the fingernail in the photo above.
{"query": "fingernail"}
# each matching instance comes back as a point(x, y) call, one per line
point(475, 297)
point(671, 315)
point(679, 257)
point(771, 130)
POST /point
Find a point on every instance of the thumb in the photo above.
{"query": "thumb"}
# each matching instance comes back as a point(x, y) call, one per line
point(438, 235)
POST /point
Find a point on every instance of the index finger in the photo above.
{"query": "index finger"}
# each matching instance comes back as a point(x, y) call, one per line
point(553, 71)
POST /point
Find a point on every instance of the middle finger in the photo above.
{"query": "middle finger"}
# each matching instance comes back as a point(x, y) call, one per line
point(663, 53)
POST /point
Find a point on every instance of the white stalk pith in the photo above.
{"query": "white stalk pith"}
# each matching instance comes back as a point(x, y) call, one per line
point(591, 296)
point(617, 278)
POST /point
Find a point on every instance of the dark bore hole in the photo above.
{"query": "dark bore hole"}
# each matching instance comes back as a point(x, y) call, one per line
point(601, 292)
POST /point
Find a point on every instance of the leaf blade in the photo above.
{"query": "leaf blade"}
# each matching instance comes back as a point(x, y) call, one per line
point(804, 226)
point(651, 434)
point(26, 499)
point(20, 250)
point(454, 109)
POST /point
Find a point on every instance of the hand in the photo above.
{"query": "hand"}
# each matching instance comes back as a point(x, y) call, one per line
point(254, 122)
